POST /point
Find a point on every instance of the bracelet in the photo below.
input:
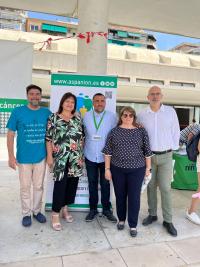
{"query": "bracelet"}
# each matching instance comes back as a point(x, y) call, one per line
point(148, 169)
point(107, 169)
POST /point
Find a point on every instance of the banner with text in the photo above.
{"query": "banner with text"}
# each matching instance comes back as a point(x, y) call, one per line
point(84, 87)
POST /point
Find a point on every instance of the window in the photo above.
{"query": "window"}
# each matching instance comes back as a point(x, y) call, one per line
point(41, 71)
point(136, 36)
point(147, 81)
point(61, 71)
point(182, 84)
point(34, 28)
point(124, 79)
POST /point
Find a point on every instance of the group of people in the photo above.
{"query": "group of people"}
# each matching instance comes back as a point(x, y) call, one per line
point(124, 150)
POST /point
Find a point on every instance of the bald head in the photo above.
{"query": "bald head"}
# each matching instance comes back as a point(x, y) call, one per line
point(155, 96)
point(154, 89)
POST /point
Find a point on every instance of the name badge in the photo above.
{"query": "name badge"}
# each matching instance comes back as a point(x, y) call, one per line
point(96, 137)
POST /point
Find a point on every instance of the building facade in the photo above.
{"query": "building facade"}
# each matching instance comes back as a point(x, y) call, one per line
point(187, 48)
point(136, 68)
point(120, 35)
point(50, 27)
point(12, 19)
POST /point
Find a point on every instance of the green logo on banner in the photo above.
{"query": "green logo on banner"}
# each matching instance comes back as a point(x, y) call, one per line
point(84, 80)
point(8, 104)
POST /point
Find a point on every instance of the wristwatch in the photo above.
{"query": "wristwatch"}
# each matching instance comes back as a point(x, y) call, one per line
point(149, 169)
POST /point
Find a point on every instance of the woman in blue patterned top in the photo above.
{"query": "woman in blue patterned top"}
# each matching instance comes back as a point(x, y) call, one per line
point(65, 156)
point(127, 161)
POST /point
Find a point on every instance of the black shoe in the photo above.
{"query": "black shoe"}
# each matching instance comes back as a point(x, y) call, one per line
point(170, 228)
point(91, 215)
point(26, 221)
point(40, 217)
point(120, 226)
point(133, 232)
point(109, 215)
point(149, 219)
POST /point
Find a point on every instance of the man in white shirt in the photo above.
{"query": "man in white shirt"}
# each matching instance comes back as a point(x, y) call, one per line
point(162, 125)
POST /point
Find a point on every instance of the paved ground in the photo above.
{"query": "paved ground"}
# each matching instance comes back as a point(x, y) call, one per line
point(92, 244)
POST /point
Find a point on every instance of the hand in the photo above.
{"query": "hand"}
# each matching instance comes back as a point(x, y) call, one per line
point(108, 175)
point(50, 161)
point(147, 172)
point(190, 135)
point(138, 125)
point(12, 162)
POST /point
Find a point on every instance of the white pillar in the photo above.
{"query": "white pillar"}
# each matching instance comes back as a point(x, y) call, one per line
point(93, 17)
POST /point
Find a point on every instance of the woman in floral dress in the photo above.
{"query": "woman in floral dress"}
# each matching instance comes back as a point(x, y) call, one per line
point(64, 138)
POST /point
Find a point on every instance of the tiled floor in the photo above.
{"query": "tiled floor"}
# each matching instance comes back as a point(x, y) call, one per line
point(93, 244)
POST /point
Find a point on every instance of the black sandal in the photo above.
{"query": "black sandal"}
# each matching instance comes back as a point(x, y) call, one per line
point(133, 232)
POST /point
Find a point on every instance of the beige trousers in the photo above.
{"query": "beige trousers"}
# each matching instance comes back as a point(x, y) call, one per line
point(31, 175)
point(161, 177)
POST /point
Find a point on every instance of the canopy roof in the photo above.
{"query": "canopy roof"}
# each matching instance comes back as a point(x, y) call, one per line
point(176, 17)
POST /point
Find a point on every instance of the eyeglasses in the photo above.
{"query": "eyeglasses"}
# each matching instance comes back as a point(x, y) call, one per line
point(127, 115)
point(155, 94)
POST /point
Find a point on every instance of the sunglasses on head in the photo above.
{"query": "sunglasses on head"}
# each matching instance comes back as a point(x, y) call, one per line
point(127, 115)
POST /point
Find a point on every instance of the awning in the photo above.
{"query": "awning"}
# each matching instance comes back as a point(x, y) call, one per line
point(134, 34)
point(122, 34)
point(119, 42)
point(54, 28)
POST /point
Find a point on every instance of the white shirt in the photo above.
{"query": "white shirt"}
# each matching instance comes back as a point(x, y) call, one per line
point(162, 127)
point(93, 149)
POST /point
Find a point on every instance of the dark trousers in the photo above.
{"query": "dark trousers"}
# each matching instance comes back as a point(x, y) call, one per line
point(127, 184)
point(94, 171)
point(64, 191)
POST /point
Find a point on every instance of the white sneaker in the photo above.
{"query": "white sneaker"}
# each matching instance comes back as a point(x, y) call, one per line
point(193, 217)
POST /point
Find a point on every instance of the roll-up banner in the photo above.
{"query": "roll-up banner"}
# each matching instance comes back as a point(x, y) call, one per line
point(84, 87)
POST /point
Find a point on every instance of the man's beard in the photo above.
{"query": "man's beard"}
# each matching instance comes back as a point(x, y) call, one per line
point(34, 103)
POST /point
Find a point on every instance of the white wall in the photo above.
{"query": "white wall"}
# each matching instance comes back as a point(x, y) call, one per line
point(15, 68)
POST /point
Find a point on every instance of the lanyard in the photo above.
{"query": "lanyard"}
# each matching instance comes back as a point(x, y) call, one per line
point(95, 122)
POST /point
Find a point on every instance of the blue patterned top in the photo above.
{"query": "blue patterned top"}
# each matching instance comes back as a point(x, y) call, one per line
point(128, 148)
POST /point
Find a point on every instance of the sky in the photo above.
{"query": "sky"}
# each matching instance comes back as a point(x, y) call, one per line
point(50, 17)
point(167, 41)
point(164, 41)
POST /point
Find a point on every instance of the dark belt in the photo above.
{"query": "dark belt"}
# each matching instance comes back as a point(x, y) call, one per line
point(161, 152)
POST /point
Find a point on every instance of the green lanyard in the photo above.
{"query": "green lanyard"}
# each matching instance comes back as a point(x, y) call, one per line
point(95, 122)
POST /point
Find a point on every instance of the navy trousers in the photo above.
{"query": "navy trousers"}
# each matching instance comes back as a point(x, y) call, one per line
point(94, 172)
point(127, 185)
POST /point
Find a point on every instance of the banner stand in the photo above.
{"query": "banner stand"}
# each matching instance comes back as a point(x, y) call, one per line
point(84, 87)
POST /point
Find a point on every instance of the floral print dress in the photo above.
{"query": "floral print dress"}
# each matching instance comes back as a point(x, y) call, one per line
point(67, 144)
